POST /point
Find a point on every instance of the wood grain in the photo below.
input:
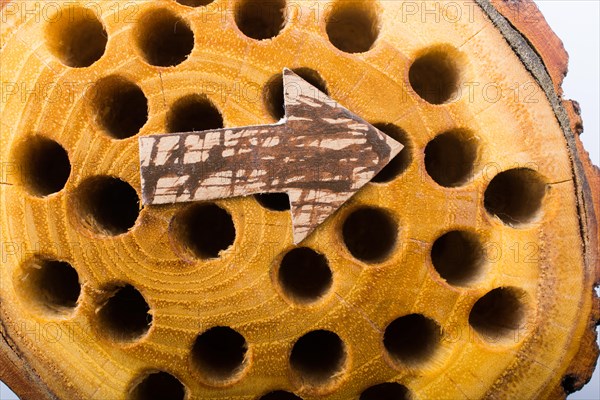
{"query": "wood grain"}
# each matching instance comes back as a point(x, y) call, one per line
point(549, 263)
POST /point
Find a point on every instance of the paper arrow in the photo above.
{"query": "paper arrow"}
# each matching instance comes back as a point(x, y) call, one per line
point(320, 154)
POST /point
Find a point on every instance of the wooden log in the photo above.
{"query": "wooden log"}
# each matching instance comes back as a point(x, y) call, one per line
point(465, 269)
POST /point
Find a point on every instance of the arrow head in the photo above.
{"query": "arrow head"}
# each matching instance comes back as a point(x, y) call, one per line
point(346, 153)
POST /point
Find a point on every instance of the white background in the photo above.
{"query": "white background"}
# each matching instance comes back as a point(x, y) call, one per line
point(577, 23)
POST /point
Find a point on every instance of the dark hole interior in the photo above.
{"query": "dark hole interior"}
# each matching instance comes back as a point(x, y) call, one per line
point(318, 356)
point(159, 386)
point(195, 3)
point(457, 256)
point(386, 391)
point(220, 352)
point(43, 164)
point(370, 234)
point(125, 315)
point(261, 19)
point(204, 229)
point(76, 36)
point(52, 284)
point(280, 395)
point(353, 26)
point(412, 338)
point(450, 158)
point(515, 196)
point(402, 161)
point(304, 274)
point(273, 91)
point(435, 76)
point(107, 205)
point(164, 39)
point(193, 113)
point(499, 314)
point(121, 107)
point(274, 201)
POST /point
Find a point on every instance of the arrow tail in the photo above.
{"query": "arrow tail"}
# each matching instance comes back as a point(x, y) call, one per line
point(209, 165)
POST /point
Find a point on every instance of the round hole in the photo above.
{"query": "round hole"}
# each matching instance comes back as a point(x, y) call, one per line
point(458, 257)
point(261, 19)
point(402, 161)
point(76, 36)
point(106, 205)
point(499, 314)
point(158, 385)
point(274, 201)
point(412, 338)
point(386, 391)
point(195, 3)
point(436, 74)
point(450, 158)
point(204, 230)
point(193, 113)
point(273, 91)
point(515, 196)
point(304, 275)
point(49, 285)
point(370, 234)
point(318, 357)
point(43, 164)
point(163, 38)
point(280, 395)
point(125, 315)
point(353, 26)
point(121, 107)
point(220, 353)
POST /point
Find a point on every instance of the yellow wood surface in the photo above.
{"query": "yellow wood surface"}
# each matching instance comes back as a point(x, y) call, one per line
point(541, 260)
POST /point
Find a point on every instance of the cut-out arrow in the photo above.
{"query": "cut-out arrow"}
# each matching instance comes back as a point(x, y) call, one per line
point(320, 154)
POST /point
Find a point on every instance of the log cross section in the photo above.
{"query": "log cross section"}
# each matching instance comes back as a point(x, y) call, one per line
point(320, 154)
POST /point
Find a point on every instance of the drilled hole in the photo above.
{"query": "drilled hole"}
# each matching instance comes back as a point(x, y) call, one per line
point(273, 91)
point(49, 285)
point(386, 391)
point(353, 26)
point(274, 201)
point(106, 205)
point(370, 234)
point(158, 386)
point(412, 338)
point(402, 161)
point(436, 74)
point(125, 315)
point(499, 314)
point(450, 158)
point(515, 196)
point(195, 3)
point(318, 357)
point(164, 38)
point(193, 113)
point(43, 164)
point(261, 19)
point(304, 275)
point(220, 353)
point(120, 106)
point(458, 257)
point(76, 36)
point(280, 395)
point(204, 230)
